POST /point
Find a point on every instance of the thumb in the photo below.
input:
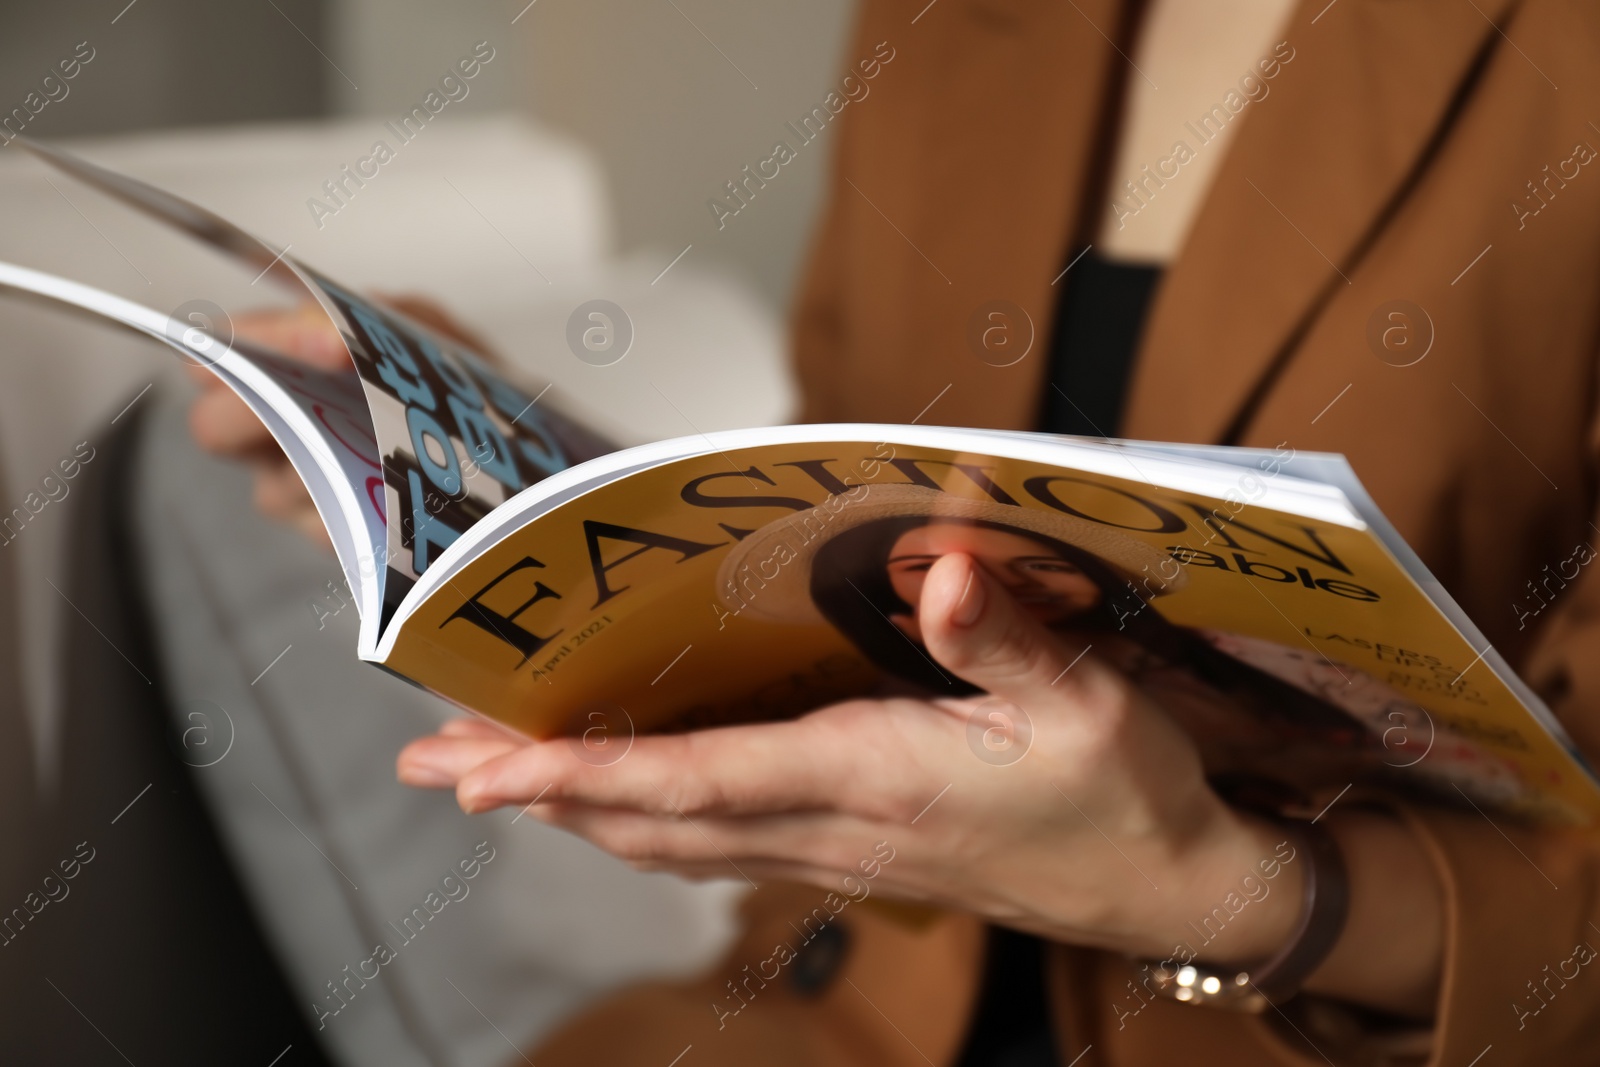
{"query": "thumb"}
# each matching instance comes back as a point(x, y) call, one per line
point(974, 627)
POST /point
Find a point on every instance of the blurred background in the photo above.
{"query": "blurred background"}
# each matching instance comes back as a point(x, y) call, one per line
point(577, 165)
point(669, 98)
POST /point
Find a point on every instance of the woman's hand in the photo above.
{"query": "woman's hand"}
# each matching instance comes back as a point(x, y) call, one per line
point(1104, 831)
point(224, 425)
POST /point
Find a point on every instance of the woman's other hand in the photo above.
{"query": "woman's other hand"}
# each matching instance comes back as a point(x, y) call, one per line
point(224, 425)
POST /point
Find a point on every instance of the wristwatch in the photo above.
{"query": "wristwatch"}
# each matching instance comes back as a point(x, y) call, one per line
point(1325, 903)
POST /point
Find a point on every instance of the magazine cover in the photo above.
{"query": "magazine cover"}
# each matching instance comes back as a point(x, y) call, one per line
point(762, 581)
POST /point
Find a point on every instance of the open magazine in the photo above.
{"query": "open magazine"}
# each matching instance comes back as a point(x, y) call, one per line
point(517, 565)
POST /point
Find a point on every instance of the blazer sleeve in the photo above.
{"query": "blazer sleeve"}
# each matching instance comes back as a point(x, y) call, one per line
point(1520, 939)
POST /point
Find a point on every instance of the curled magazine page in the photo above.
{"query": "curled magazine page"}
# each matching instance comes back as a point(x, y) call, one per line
point(758, 581)
point(196, 221)
point(454, 437)
point(319, 418)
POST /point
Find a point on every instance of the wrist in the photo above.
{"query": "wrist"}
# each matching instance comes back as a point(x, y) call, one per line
point(1240, 892)
point(1284, 970)
point(1275, 861)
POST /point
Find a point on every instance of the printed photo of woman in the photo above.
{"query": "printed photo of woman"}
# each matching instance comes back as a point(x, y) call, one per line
point(1259, 709)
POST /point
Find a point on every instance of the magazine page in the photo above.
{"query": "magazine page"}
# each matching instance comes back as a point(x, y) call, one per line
point(320, 419)
point(455, 437)
point(1334, 470)
point(756, 581)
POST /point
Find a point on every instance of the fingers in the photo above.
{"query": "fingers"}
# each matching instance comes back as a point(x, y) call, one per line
point(223, 424)
point(660, 835)
point(481, 728)
point(973, 626)
point(821, 841)
point(434, 317)
point(775, 767)
point(441, 761)
point(279, 492)
point(306, 333)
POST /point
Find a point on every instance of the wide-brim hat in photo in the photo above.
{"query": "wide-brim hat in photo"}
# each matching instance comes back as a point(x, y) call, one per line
point(747, 582)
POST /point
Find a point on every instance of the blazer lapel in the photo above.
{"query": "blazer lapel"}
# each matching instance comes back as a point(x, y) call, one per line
point(1006, 146)
point(1315, 168)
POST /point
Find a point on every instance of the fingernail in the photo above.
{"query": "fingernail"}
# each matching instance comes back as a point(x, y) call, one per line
point(970, 606)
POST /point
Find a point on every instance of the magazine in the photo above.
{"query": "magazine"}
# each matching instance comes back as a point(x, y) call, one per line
point(516, 564)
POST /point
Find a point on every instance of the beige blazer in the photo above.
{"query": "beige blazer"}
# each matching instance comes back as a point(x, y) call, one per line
point(1433, 151)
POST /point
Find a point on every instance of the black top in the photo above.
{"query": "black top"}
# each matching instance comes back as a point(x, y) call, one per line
point(1098, 325)
point(1100, 319)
